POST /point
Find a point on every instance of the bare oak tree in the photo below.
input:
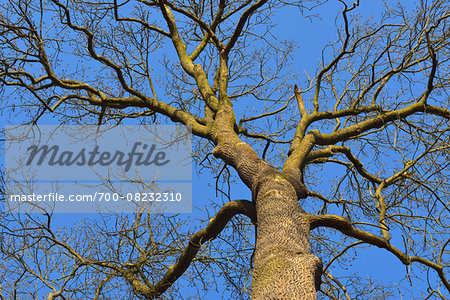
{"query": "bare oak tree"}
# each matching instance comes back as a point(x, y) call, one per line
point(355, 154)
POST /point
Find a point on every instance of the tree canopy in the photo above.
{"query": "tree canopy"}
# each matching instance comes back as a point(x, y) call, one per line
point(350, 154)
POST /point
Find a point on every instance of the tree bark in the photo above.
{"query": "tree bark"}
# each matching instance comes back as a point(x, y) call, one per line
point(284, 268)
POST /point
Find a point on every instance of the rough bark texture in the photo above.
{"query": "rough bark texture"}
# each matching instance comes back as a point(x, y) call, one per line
point(284, 268)
point(283, 265)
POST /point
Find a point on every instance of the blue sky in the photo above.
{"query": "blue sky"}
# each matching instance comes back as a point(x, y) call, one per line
point(312, 35)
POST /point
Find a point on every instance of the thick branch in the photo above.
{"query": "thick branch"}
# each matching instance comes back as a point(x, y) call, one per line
point(300, 103)
point(241, 23)
point(376, 122)
point(209, 30)
point(345, 226)
point(214, 228)
point(330, 150)
point(188, 65)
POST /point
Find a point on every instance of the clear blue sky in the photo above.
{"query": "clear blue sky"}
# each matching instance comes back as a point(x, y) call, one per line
point(311, 36)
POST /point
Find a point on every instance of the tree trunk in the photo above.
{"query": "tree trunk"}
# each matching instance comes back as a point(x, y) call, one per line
point(283, 265)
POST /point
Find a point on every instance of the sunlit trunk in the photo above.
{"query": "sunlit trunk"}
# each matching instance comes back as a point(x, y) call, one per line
point(284, 268)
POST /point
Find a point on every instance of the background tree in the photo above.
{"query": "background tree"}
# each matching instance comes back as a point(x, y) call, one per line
point(361, 146)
